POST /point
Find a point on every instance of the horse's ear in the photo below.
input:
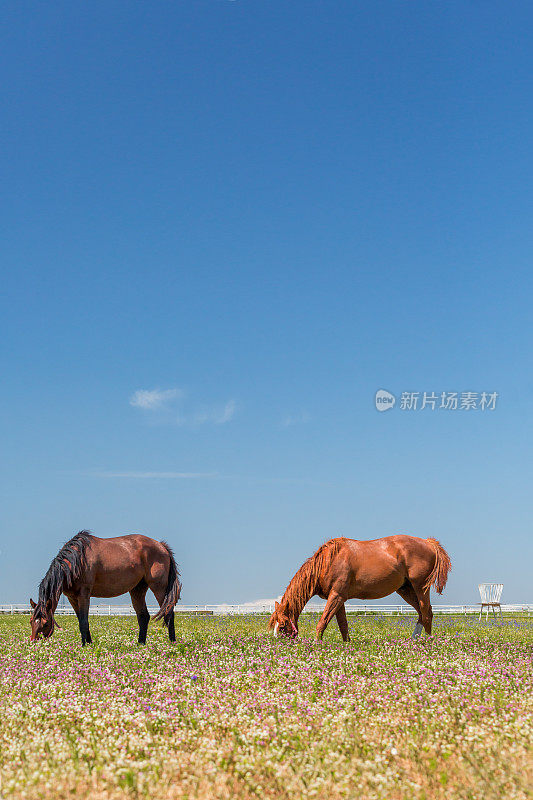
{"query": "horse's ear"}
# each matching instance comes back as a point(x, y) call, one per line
point(276, 604)
point(33, 604)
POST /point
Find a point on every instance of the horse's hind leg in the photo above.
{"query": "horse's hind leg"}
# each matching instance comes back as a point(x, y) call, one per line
point(138, 601)
point(160, 593)
point(408, 594)
point(426, 612)
point(170, 626)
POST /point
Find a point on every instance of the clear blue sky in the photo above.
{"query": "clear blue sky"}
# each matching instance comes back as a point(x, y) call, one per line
point(261, 213)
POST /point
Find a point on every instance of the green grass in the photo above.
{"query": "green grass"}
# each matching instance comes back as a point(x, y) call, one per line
point(228, 711)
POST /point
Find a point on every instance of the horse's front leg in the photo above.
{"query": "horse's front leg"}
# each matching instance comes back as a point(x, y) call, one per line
point(84, 599)
point(73, 600)
point(333, 604)
point(343, 623)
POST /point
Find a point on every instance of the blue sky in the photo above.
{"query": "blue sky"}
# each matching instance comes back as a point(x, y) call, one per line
point(225, 226)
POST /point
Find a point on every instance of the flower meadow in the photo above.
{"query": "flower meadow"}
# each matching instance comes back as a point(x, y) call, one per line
point(230, 712)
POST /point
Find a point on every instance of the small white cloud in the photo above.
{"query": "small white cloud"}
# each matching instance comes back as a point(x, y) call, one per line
point(169, 407)
point(214, 415)
point(151, 399)
point(252, 605)
point(301, 418)
point(267, 602)
point(173, 475)
point(228, 412)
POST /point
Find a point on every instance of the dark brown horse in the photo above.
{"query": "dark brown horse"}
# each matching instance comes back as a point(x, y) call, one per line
point(87, 566)
point(343, 569)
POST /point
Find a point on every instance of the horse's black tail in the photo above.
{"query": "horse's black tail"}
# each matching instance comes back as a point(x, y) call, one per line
point(173, 586)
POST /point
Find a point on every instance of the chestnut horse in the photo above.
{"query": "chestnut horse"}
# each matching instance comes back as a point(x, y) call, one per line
point(342, 569)
point(87, 566)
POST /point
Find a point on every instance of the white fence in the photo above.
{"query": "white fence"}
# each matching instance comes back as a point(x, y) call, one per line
point(223, 609)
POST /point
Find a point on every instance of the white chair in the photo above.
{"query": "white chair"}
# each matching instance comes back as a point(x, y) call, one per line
point(490, 597)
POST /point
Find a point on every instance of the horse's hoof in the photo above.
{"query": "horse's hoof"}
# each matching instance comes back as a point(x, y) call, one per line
point(418, 630)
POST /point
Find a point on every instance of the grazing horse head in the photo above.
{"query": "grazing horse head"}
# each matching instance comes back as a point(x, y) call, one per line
point(43, 622)
point(282, 623)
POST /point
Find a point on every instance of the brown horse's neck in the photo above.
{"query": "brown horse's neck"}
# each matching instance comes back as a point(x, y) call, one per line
point(66, 567)
point(50, 606)
point(306, 582)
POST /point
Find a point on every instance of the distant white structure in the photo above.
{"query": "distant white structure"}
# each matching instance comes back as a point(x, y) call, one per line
point(267, 607)
point(490, 594)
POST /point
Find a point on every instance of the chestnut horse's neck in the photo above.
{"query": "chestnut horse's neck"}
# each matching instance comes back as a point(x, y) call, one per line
point(306, 582)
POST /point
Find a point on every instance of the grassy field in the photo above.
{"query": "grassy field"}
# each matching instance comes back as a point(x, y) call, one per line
point(229, 712)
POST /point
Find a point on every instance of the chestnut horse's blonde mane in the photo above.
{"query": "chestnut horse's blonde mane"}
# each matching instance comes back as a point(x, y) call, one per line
point(306, 581)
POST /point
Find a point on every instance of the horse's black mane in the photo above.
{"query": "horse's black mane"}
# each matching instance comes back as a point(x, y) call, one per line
point(64, 569)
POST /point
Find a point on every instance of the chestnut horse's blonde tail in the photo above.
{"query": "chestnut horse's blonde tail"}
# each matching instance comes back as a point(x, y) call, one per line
point(173, 591)
point(439, 574)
